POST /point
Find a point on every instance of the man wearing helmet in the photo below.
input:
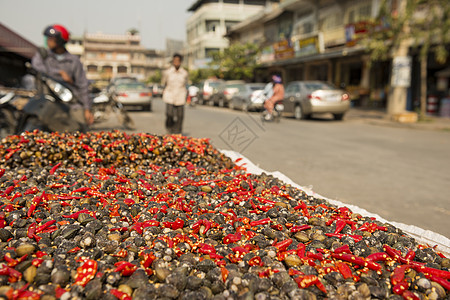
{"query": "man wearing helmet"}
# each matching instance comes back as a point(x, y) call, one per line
point(278, 95)
point(61, 65)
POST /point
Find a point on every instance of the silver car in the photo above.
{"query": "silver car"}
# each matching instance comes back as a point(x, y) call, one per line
point(246, 98)
point(303, 98)
point(134, 94)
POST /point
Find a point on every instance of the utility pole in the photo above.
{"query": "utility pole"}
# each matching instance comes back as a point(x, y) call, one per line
point(401, 66)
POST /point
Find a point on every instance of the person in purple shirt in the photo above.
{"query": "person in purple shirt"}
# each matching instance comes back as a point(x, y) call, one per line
point(58, 63)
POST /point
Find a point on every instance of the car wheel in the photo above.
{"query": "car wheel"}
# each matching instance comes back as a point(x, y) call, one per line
point(148, 107)
point(338, 117)
point(298, 112)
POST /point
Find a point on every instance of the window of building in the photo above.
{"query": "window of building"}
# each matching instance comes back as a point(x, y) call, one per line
point(122, 69)
point(360, 13)
point(92, 68)
point(255, 2)
point(212, 25)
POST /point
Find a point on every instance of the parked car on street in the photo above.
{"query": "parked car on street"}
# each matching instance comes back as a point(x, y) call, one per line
point(157, 90)
point(209, 90)
point(303, 98)
point(134, 94)
point(246, 98)
point(231, 88)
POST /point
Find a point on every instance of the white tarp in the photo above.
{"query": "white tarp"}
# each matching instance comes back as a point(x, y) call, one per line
point(422, 236)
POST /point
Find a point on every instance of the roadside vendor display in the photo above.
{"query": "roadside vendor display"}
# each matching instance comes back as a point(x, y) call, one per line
point(110, 215)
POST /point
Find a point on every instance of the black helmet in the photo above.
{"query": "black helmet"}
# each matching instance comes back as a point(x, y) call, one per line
point(58, 31)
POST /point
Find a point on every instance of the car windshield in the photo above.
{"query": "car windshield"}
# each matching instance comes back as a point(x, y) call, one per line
point(256, 87)
point(214, 84)
point(131, 86)
point(319, 86)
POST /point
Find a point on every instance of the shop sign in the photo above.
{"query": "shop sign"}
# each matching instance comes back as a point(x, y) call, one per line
point(307, 46)
point(283, 50)
point(401, 71)
point(356, 31)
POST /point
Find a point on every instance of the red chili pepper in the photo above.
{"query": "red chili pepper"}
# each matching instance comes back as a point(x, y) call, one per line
point(55, 167)
point(379, 256)
point(2, 172)
point(81, 190)
point(232, 238)
point(74, 250)
point(125, 268)
point(432, 271)
point(283, 245)
point(301, 248)
point(340, 224)
point(305, 281)
point(395, 254)
point(313, 255)
point(148, 259)
point(86, 272)
point(357, 260)
point(77, 214)
point(298, 228)
point(45, 225)
point(399, 274)
point(344, 269)
point(120, 295)
point(400, 287)
point(37, 262)
point(255, 261)
point(260, 222)
point(444, 283)
point(31, 230)
point(343, 249)
point(409, 295)
point(278, 227)
point(410, 255)
point(8, 190)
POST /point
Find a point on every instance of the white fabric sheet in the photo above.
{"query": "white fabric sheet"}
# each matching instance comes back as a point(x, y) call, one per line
point(422, 236)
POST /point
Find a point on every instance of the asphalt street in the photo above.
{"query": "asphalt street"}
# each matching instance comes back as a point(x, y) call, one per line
point(401, 174)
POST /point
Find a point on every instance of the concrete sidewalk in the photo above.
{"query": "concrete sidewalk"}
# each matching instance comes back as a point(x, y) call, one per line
point(381, 118)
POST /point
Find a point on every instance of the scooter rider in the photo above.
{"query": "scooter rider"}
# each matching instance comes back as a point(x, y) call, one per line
point(277, 96)
point(58, 63)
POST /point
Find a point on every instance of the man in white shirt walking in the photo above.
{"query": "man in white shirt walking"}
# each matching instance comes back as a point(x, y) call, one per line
point(174, 81)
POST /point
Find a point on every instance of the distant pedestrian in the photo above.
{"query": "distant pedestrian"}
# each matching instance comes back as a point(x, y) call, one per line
point(175, 80)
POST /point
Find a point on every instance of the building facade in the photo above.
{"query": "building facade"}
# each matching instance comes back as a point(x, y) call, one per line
point(210, 21)
point(322, 40)
point(106, 56)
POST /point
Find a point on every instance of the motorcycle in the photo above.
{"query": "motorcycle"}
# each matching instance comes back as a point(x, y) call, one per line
point(104, 105)
point(48, 109)
point(8, 114)
point(278, 109)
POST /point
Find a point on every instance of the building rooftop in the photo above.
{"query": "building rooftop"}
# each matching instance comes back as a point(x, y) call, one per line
point(13, 42)
point(199, 3)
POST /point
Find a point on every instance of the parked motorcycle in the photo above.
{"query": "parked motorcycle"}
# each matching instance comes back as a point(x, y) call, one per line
point(8, 114)
point(49, 109)
point(105, 105)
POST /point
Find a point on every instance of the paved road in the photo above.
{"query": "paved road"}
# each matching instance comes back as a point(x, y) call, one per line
point(403, 175)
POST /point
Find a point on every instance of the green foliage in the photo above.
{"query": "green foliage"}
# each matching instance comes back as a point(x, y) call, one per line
point(195, 76)
point(425, 24)
point(236, 62)
point(155, 78)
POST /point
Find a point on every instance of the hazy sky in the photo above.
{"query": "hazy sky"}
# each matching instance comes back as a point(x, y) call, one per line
point(155, 19)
